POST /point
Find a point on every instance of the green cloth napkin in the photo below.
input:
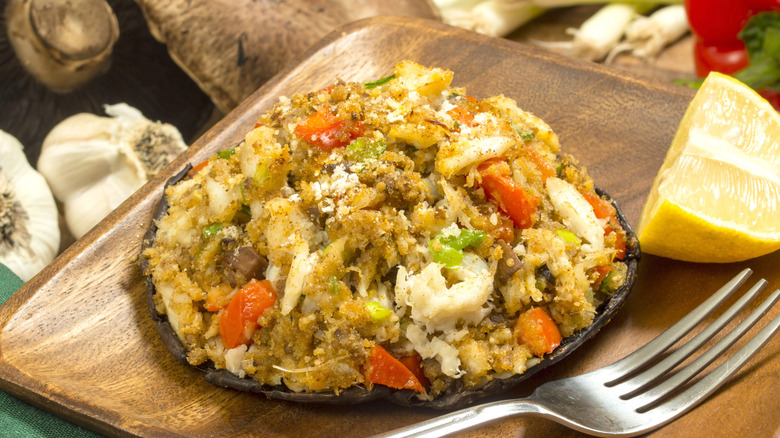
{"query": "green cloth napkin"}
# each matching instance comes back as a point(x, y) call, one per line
point(18, 419)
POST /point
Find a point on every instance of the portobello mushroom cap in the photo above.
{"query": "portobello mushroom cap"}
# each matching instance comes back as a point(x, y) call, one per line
point(456, 398)
point(231, 47)
point(63, 57)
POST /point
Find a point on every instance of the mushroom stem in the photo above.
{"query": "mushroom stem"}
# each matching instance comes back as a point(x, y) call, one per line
point(62, 43)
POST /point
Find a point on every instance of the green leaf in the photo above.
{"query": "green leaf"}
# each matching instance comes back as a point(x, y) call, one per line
point(761, 36)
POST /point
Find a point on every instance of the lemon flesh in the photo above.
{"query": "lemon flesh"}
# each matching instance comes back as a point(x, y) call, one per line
point(716, 197)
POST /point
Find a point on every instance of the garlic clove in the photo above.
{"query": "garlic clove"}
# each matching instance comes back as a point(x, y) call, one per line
point(94, 163)
point(86, 207)
point(29, 228)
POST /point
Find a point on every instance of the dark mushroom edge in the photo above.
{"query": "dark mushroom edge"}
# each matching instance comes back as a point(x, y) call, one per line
point(359, 394)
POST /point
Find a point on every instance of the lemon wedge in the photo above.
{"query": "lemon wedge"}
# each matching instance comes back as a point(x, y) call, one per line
point(716, 197)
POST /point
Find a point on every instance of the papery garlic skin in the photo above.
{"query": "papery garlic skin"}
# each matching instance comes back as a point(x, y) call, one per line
point(94, 163)
point(29, 225)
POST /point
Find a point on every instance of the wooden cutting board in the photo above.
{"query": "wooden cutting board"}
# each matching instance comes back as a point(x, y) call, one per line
point(77, 340)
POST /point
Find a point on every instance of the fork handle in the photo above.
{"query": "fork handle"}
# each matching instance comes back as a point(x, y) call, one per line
point(465, 418)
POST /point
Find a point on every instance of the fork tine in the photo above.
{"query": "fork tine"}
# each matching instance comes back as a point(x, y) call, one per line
point(652, 349)
point(692, 396)
point(639, 382)
point(710, 355)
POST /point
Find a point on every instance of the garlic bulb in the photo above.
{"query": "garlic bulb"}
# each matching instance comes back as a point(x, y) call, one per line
point(95, 163)
point(29, 226)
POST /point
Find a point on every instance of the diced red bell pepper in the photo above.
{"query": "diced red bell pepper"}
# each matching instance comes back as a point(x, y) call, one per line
point(605, 210)
point(536, 329)
point(541, 164)
point(414, 364)
point(462, 116)
point(384, 369)
point(327, 130)
point(194, 171)
point(510, 196)
point(238, 321)
point(602, 271)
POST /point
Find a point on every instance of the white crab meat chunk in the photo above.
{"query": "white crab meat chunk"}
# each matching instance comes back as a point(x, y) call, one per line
point(289, 230)
point(462, 154)
point(576, 212)
point(444, 353)
point(439, 307)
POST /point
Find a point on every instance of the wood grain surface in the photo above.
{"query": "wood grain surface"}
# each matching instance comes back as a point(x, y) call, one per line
point(77, 339)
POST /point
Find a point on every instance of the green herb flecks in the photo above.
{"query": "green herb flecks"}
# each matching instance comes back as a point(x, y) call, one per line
point(379, 82)
point(364, 149)
point(211, 230)
point(227, 153)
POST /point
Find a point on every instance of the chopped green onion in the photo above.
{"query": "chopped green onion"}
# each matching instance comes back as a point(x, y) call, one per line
point(464, 238)
point(445, 255)
point(604, 286)
point(376, 311)
point(363, 149)
point(448, 250)
point(226, 153)
point(246, 210)
point(378, 82)
point(569, 237)
point(333, 284)
point(211, 230)
point(262, 174)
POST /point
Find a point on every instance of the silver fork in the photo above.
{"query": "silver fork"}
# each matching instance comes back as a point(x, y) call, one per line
point(635, 394)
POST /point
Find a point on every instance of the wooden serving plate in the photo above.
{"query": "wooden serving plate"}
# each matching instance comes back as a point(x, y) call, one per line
point(77, 340)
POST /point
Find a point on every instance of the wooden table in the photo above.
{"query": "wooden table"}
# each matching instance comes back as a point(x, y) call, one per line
point(675, 62)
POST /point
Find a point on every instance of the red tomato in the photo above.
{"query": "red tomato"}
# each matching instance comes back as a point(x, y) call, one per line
point(718, 21)
point(772, 96)
point(765, 5)
point(724, 58)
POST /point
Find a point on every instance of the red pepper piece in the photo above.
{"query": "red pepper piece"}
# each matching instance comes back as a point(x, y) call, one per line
point(384, 369)
point(238, 321)
point(510, 196)
point(327, 130)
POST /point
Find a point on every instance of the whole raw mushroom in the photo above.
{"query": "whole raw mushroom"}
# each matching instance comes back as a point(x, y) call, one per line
point(231, 47)
point(63, 57)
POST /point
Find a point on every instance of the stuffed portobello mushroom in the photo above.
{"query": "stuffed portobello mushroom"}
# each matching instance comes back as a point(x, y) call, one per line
point(396, 238)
